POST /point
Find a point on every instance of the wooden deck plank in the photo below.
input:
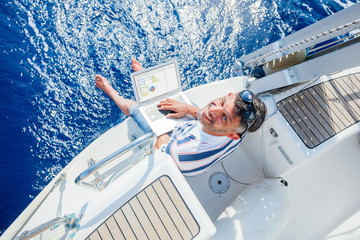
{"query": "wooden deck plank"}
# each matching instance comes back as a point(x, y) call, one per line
point(95, 236)
point(332, 104)
point(124, 225)
point(163, 214)
point(336, 102)
point(171, 209)
point(104, 232)
point(354, 94)
point(344, 100)
point(355, 79)
point(150, 211)
point(316, 113)
point(293, 123)
point(115, 229)
point(349, 94)
point(179, 203)
point(143, 219)
point(353, 83)
point(303, 130)
point(333, 118)
point(134, 222)
point(313, 124)
point(324, 113)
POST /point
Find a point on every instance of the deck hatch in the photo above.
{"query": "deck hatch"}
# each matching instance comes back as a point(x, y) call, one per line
point(157, 212)
point(320, 112)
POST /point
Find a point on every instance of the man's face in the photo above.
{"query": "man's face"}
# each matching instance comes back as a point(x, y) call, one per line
point(218, 116)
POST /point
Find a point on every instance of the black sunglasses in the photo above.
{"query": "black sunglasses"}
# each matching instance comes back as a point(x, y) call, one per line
point(249, 113)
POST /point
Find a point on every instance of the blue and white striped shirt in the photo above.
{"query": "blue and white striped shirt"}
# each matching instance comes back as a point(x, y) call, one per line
point(195, 151)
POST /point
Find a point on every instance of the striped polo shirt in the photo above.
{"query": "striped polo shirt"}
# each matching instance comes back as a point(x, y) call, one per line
point(195, 151)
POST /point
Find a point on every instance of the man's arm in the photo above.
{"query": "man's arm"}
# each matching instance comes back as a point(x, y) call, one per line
point(162, 139)
point(180, 109)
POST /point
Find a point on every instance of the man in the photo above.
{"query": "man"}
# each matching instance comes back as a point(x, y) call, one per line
point(198, 144)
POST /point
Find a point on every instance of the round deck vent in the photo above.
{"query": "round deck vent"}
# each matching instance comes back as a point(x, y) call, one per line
point(219, 182)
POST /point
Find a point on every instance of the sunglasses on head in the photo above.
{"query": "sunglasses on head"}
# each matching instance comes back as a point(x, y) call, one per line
point(249, 112)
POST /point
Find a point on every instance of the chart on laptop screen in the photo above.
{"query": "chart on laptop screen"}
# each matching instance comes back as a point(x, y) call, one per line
point(156, 82)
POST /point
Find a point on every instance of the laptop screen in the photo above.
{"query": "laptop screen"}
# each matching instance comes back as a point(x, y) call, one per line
point(156, 81)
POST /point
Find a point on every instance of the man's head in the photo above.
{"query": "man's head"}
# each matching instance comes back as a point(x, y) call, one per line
point(233, 115)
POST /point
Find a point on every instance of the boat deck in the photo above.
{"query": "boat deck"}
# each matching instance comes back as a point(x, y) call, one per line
point(157, 212)
point(319, 112)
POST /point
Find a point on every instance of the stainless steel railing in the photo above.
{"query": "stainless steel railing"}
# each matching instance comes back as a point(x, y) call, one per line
point(111, 157)
point(43, 227)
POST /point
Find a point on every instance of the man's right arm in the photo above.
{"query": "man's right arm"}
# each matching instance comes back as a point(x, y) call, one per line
point(180, 109)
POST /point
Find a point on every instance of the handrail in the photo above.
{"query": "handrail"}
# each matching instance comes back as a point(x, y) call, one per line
point(109, 158)
point(23, 219)
point(261, 59)
point(32, 233)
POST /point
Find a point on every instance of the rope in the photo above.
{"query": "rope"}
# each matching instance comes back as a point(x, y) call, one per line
point(261, 58)
point(74, 224)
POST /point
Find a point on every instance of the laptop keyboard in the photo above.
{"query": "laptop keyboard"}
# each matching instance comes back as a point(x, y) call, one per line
point(155, 114)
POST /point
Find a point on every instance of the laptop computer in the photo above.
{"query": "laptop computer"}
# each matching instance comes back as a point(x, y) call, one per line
point(153, 85)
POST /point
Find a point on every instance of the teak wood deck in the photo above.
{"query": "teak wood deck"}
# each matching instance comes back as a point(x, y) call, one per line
point(157, 212)
point(320, 112)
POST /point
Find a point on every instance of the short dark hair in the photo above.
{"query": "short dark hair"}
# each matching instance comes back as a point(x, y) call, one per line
point(260, 112)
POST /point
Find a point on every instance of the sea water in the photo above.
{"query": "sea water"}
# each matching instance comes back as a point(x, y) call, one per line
point(50, 52)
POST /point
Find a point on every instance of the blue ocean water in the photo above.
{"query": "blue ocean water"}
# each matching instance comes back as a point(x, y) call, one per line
point(50, 51)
